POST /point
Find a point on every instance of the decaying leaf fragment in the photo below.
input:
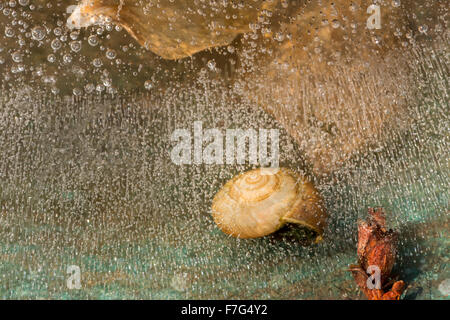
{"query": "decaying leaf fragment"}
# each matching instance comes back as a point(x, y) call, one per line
point(376, 253)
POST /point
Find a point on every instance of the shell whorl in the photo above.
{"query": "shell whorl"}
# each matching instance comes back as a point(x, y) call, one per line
point(254, 187)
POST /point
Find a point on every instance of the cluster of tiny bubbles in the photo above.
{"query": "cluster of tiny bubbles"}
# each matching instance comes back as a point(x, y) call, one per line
point(148, 84)
point(62, 46)
point(89, 88)
point(423, 28)
point(67, 58)
point(86, 175)
point(93, 40)
point(279, 36)
point(97, 62)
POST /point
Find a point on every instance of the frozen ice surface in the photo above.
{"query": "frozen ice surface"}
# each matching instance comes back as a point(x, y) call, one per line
point(89, 182)
point(86, 178)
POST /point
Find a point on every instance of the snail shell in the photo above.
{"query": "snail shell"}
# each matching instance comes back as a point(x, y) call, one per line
point(261, 201)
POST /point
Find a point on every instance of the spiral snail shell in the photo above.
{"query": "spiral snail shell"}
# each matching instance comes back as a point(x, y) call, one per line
point(261, 201)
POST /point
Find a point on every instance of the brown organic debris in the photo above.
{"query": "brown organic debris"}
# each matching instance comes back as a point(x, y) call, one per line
point(376, 250)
